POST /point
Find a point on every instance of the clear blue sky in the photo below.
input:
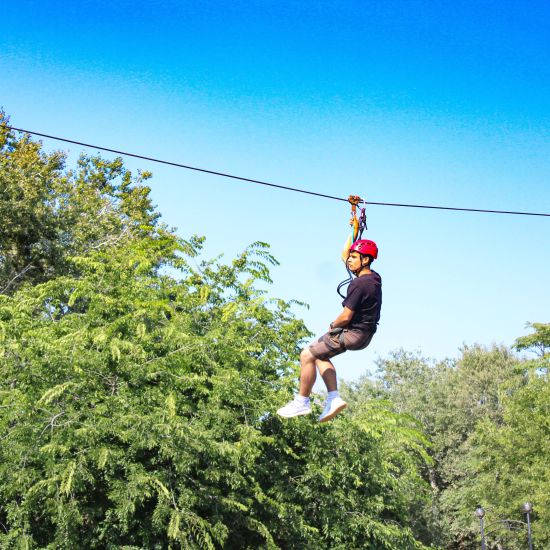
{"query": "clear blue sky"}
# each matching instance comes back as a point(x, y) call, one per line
point(422, 102)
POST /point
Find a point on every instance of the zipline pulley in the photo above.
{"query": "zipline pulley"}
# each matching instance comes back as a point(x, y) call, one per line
point(358, 225)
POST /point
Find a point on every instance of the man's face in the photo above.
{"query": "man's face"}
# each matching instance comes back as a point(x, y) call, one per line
point(354, 261)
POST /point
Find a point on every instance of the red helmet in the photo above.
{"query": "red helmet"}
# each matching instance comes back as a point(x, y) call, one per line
point(363, 246)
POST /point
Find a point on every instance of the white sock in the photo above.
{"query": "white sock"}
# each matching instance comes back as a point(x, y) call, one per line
point(332, 395)
point(301, 399)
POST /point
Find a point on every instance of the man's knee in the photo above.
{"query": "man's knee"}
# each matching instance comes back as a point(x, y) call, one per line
point(306, 355)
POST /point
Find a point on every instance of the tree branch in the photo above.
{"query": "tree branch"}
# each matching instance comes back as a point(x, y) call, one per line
point(20, 274)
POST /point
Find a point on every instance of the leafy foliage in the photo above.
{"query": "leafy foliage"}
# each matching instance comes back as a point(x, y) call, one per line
point(484, 415)
point(50, 214)
point(136, 412)
point(508, 464)
point(538, 341)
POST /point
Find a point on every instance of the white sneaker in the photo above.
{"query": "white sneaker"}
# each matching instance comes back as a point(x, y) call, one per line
point(294, 408)
point(332, 408)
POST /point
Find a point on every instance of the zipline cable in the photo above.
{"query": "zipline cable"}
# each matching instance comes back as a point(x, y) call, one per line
point(287, 188)
point(178, 165)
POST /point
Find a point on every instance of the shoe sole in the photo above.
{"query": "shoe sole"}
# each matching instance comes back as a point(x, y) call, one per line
point(293, 415)
point(331, 415)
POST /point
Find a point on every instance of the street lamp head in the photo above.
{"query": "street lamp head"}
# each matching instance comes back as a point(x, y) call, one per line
point(527, 508)
point(480, 512)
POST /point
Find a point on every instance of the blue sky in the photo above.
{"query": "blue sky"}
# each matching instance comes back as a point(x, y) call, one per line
point(418, 102)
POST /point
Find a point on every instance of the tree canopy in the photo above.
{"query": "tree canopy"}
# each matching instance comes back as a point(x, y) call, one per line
point(486, 417)
point(50, 213)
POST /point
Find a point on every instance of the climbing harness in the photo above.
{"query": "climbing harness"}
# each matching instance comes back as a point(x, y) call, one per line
point(358, 225)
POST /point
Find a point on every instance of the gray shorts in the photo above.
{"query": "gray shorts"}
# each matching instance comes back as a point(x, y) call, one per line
point(337, 341)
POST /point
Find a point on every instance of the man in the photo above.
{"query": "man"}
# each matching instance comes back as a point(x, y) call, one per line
point(353, 329)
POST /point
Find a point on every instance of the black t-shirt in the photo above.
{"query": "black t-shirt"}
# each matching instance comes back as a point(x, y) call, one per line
point(364, 298)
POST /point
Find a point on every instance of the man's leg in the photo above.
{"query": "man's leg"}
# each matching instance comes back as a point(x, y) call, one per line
point(334, 403)
point(300, 405)
point(308, 372)
point(328, 373)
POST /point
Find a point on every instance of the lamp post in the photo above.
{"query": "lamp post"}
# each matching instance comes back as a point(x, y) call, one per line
point(480, 513)
point(527, 509)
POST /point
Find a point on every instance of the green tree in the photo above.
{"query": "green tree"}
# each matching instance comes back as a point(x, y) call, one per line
point(537, 342)
point(508, 461)
point(136, 412)
point(449, 399)
point(50, 213)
